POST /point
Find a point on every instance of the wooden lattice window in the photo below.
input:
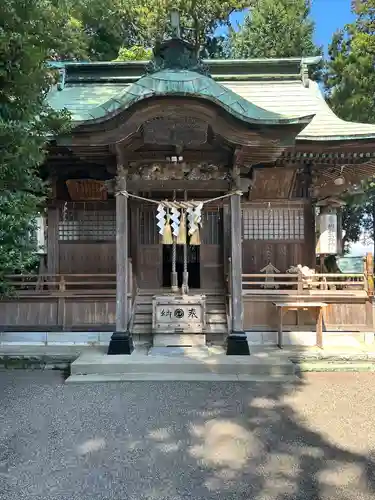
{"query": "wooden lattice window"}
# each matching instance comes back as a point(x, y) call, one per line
point(86, 225)
point(273, 223)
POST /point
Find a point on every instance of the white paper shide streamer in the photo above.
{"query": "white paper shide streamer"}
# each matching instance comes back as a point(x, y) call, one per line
point(161, 218)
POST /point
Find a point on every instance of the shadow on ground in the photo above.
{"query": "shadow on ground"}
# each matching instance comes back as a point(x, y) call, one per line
point(173, 441)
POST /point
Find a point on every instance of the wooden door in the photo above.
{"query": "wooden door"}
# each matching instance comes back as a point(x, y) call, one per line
point(211, 251)
point(149, 255)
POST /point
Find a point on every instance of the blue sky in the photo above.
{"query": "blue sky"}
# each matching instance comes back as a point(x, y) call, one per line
point(329, 15)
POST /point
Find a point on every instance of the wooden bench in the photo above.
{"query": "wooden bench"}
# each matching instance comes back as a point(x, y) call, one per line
point(284, 307)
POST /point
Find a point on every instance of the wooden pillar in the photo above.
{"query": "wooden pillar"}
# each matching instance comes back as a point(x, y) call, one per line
point(237, 341)
point(53, 241)
point(121, 340)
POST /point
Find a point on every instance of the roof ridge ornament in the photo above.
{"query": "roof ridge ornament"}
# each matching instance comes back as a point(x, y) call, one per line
point(176, 53)
point(175, 23)
point(305, 73)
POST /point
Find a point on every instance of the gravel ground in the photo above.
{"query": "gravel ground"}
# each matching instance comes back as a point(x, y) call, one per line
point(312, 441)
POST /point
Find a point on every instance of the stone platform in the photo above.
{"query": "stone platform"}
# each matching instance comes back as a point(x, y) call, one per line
point(180, 364)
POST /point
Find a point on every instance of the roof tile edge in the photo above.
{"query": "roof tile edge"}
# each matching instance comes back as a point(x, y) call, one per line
point(241, 69)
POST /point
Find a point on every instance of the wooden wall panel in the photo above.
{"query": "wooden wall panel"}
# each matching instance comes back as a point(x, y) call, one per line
point(257, 254)
point(272, 183)
point(99, 311)
point(89, 258)
point(28, 313)
point(341, 315)
point(261, 314)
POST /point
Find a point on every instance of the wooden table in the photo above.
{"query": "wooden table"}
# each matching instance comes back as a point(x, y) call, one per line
point(284, 307)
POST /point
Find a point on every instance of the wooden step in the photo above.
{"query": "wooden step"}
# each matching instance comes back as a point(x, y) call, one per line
point(216, 309)
point(217, 328)
point(145, 319)
point(141, 329)
point(216, 320)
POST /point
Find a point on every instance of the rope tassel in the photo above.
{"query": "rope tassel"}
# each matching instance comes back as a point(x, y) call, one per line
point(195, 238)
point(181, 238)
point(167, 233)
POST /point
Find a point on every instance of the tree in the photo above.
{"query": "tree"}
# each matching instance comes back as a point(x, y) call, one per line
point(350, 77)
point(199, 19)
point(30, 31)
point(275, 28)
point(108, 26)
point(122, 25)
point(350, 87)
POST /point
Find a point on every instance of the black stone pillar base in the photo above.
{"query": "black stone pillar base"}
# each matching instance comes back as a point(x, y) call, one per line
point(237, 345)
point(121, 343)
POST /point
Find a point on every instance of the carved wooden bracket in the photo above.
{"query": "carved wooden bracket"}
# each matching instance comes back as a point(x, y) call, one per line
point(183, 171)
point(122, 171)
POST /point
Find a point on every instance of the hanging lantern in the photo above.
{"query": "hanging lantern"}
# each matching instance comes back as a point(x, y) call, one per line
point(327, 241)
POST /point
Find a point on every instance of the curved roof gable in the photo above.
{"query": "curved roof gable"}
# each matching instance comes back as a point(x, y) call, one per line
point(175, 70)
point(185, 83)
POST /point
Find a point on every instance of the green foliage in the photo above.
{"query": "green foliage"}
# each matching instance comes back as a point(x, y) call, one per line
point(275, 28)
point(199, 18)
point(350, 86)
point(350, 77)
point(29, 31)
point(107, 26)
point(135, 53)
point(114, 27)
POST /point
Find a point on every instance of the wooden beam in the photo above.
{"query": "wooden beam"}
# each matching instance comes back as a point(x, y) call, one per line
point(216, 157)
point(141, 185)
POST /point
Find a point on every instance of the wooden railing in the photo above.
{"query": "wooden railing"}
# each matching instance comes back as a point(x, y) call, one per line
point(31, 284)
point(64, 301)
point(300, 283)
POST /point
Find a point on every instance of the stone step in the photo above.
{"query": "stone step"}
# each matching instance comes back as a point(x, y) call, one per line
point(210, 309)
point(200, 291)
point(179, 377)
point(98, 363)
point(146, 319)
point(168, 342)
point(146, 329)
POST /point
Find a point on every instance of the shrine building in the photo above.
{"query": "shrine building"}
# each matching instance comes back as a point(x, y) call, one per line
point(193, 197)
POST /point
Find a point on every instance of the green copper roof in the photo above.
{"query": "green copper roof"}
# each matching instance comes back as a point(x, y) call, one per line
point(96, 102)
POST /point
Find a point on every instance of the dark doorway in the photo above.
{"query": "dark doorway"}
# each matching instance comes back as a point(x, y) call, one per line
point(193, 265)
